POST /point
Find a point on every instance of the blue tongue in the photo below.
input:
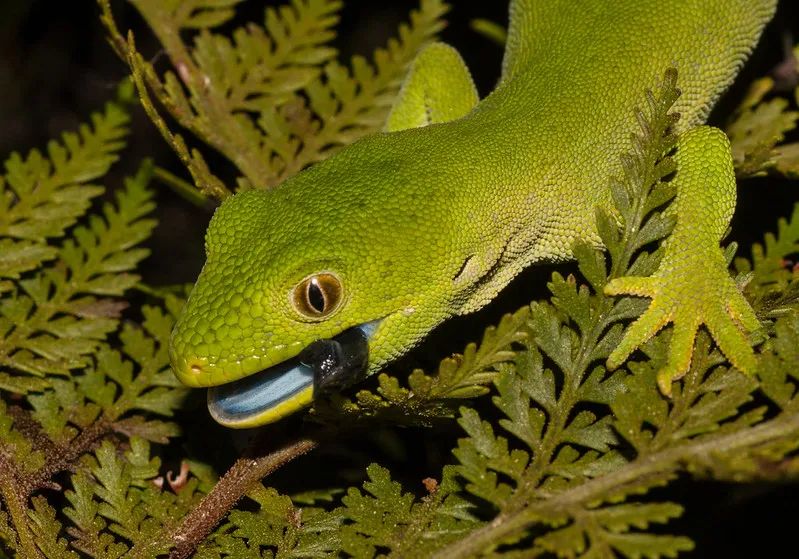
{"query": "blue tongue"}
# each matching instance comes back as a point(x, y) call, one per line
point(255, 394)
point(241, 402)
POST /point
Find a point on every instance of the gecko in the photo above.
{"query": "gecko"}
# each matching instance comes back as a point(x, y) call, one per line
point(349, 264)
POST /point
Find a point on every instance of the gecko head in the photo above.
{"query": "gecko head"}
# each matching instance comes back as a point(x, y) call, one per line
point(302, 291)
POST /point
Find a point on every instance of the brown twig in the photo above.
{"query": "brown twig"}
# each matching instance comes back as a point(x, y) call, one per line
point(237, 482)
point(59, 456)
point(69, 453)
point(15, 498)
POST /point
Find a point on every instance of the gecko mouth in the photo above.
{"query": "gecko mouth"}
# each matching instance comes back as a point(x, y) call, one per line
point(268, 395)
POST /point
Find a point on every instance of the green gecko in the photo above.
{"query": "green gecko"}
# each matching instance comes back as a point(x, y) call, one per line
point(432, 218)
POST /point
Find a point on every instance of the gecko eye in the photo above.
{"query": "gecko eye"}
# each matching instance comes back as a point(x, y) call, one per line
point(317, 296)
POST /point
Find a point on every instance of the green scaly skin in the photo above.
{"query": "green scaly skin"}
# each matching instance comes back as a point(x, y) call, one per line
point(433, 219)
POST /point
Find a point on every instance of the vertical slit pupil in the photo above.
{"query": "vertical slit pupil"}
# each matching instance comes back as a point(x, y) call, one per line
point(316, 297)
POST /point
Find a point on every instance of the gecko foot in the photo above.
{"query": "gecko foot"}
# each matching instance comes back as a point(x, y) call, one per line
point(688, 301)
point(692, 286)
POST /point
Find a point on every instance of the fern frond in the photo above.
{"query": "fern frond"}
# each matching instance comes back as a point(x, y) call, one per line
point(351, 104)
point(154, 388)
point(8, 539)
point(119, 503)
point(778, 373)
point(607, 531)
point(261, 67)
point(385, 518)
point(49, 531)
point(279, 526)
point(756, 132)
point(115, 385)
point(20, 460)
point(491, 30)
point(263, 99)
point(18, 451)
point(786, 158)
point(41, 196)
point(772, 277)
point(55, 317)
point(758, 127)
point(430, 397)
point(189, 14)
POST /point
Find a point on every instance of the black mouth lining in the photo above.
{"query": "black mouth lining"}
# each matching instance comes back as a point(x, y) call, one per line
point(337, 362)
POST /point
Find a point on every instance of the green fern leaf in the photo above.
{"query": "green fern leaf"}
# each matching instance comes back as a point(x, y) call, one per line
point(648, 545)
point(316, 496)
point(778, 373)
point(262, 65)
point(383, 518)
point(90, 526)
point(605, 532)
point(20, 256)
point(8, 538)
point(772, 282)
point(120, 506)
point(189, 14)
point(350, 106)
point(278, 526)
point(154, 388)
point(40, 197)
point(375, 516)
point(54, 318)
point(46, 529)
point(786, 160)
point(18, 451)
point(114, 386)
point(757, 128)
point(483, 455)
point(430, 397)
point(260, 99)
point(755, 133)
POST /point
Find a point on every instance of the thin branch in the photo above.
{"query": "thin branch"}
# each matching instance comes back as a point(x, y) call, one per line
point(226, 135)
point(60, 456)
point(182, 188)
point(14, 494)
point(87, 441)
point(647, 466)
point(239, 480)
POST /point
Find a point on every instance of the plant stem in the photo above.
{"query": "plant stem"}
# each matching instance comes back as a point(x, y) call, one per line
point(13, 494)
point(62, 456)
point(226, 134)
point(646, 466)
point(182, 188)
point(238, 481)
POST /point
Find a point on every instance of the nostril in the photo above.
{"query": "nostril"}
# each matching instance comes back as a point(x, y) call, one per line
point(196, 367)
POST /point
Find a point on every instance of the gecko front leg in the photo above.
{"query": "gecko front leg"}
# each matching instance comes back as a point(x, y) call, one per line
point(692, 285)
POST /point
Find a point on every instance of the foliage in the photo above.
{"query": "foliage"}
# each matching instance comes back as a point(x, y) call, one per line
point(74, 376)
point(560, 460)
point(430, 397)
point(272, 99)
point(758, 127)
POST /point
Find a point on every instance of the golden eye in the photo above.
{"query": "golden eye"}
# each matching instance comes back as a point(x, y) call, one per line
point(318, 295)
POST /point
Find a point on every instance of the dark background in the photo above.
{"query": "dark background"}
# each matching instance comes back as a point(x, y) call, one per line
point(55, 68)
